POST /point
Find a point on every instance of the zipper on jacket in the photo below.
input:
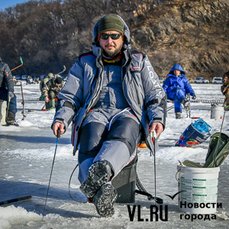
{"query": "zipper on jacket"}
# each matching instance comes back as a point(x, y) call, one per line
point(135, 85)
point(126, 96)
point(96, 92)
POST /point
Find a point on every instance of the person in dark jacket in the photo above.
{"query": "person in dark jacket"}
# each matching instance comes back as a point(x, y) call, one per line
point(50, 91)
point(225, 89)
point(7, 92)
point(112, 95)
point(176, 87)
point(43, 83)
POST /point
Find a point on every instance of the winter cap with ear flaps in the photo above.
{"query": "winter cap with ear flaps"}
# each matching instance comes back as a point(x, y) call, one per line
point(110, 22)
point(226, 74)
point(58, 80)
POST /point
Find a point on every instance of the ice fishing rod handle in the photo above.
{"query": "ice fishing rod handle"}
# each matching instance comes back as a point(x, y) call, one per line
point(21, 60)
point(58, 133)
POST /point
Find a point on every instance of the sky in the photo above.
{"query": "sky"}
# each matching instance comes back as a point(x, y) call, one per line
point(26, 155)
point(9, 3)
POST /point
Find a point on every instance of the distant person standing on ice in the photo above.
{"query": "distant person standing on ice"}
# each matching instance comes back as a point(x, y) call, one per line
point(7, 92)
point(225, 89)
point(112, 94)
point(176, 86)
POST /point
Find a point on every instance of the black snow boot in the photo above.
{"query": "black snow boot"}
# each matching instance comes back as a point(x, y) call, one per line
point(99, 174)
point(105, 199)
point(10, 120)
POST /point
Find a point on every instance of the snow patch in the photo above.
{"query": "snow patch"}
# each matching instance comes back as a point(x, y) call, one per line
point(12, 215)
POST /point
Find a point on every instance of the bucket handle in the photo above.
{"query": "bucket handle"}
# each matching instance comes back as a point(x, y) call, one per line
point(177, 173)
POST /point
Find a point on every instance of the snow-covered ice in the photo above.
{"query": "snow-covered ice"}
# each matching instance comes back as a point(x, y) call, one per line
point(26, 154)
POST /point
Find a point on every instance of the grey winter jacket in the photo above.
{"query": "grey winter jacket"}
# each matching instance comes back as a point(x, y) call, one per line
point(6, 78)
point(140, 84)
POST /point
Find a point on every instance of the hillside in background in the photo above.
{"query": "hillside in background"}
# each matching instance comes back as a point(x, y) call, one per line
point(48, 35)
point(192, 33)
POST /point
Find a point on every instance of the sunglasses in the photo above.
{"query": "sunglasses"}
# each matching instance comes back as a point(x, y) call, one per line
point(113, 36)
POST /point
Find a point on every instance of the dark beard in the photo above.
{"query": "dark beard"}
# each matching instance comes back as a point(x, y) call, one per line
point(112, 54)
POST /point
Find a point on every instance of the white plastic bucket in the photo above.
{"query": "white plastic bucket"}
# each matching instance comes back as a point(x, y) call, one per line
point(216, 111)
point(199, 189)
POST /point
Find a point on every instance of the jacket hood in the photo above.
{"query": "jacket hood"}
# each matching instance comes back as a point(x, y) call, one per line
point(177, 67)
point(126, 44)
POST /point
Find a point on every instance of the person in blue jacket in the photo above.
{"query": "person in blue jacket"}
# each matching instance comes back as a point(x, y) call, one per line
point(176, 86)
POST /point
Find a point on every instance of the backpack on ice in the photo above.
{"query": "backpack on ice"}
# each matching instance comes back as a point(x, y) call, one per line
point(218, 150)
point(194, 134)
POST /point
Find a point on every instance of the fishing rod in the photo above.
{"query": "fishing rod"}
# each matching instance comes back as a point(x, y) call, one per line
point(57, 140)
point(18, 65)
point(142, 190)
point(64, 69)
point(15, 200)
point(154, 149)
point(23, 102)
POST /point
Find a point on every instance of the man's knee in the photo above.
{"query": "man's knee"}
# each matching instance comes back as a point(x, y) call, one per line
point(13, 105)
point(52, 95)
point(126, 130)
point(92, 136)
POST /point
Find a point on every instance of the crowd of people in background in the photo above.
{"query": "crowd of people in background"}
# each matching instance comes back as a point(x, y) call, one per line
point(50, 85)
point(176, 87)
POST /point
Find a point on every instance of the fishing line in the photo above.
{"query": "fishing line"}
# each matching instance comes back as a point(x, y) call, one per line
point(57, 140)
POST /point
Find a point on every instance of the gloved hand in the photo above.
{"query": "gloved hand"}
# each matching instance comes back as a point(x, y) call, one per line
point(46, 99)
point(194, 97)
point(10, 95)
